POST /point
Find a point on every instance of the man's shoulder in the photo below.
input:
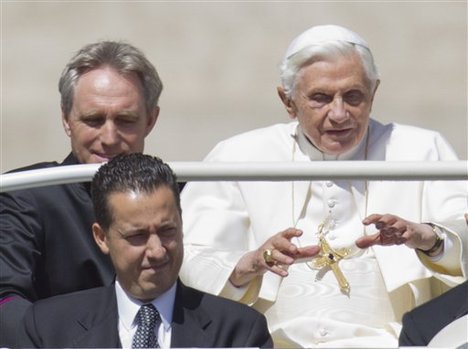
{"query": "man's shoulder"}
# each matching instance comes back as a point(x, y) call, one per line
point(258, 144)
point(64, 321)
point(36, 166)
point(403, 131)
point(257, 134)
point(49, 193)
point(420, 326)
point(218, 304)
point(69, 160)
point(418, 143)
point(84, 298)
point(454, 300)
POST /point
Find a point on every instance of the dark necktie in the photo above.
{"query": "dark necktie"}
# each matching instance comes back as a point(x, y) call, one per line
point(147, 319)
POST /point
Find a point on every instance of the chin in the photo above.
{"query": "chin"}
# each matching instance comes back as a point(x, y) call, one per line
point(147, 292)
point(99, 159)
point(336, 148)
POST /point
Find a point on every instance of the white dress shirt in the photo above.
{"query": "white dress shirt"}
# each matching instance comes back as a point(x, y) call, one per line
point(128, 308)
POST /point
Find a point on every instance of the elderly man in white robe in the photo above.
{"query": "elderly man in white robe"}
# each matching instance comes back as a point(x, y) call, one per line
point(330, 263)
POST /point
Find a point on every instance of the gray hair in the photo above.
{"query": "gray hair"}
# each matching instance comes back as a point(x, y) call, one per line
point(123, 57)
point(291, 65)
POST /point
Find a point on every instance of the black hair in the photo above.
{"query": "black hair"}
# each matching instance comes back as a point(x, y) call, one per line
point(129, 172)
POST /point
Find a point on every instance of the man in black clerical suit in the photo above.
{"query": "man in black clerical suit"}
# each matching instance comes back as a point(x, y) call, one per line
point(139, 225)
point(421, 324)
point(109, 101)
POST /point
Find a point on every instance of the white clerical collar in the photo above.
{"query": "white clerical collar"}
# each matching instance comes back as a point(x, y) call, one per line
point(308, 149)
point(128, 306)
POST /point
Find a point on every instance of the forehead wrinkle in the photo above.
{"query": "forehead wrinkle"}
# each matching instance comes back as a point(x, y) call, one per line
point(332, 77)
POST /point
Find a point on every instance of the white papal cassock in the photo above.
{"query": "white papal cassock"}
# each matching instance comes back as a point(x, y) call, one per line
point(224, 220)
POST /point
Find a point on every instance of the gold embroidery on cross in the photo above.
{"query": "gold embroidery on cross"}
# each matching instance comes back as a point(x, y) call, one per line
point(329, 257)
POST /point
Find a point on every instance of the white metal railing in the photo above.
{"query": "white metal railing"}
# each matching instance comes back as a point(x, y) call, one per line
point(257, 171)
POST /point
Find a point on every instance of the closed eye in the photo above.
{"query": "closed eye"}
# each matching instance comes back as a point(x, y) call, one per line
point(167, 232)
point(126, 120)
point(137, 238)
point(320, 98)
point(353, 97)
point(93, 120)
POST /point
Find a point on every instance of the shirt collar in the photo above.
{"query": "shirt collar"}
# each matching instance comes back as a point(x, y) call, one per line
point(70, 160)
point(309, 150)
point(128, 306)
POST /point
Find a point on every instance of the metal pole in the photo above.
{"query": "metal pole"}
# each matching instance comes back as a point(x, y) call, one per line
point(257, 171)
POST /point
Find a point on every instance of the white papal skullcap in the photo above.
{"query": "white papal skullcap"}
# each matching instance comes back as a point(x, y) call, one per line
point(323, 33)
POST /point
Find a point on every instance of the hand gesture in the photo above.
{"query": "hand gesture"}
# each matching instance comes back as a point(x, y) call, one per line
point(275, 255)
point(394, 230)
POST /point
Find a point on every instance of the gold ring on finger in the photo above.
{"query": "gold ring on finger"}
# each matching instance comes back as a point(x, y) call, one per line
point(268, 256)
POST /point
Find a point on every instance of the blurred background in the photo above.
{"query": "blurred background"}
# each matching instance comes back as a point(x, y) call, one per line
point(219, 65)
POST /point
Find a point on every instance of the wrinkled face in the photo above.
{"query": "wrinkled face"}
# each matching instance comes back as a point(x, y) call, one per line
point(144, 241)
point(332, 101)
point(108, 116)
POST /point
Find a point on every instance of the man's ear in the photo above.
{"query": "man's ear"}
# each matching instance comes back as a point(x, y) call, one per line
point(101, 238)
point(377, 83)
point(152, 118)
point(66, 125)
point(288, 103)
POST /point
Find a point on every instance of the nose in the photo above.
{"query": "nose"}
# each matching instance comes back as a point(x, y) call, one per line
point(109, 133)
point(338, 112)
point(154, 247)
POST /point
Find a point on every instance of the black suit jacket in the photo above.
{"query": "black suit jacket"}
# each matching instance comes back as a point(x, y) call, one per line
point(422, 323)
point(46, 247)
point(89, 319)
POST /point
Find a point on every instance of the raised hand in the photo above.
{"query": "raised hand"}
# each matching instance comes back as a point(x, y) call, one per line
point(276, 254)
point(394, 230)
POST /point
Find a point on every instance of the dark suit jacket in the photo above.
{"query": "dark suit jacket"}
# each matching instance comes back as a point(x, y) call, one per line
point(421, 324)
point(46, 247)
point(89, 319)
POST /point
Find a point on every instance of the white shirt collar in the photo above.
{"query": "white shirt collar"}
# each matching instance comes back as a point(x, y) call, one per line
point(128, 306)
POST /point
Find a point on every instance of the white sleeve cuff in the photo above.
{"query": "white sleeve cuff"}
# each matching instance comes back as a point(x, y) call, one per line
point(232, 292)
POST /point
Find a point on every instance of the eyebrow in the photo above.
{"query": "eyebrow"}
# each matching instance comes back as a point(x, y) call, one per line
point(97, 113)
point(163, 225)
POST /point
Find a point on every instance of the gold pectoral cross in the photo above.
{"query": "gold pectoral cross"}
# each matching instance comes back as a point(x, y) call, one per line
point(328, 257)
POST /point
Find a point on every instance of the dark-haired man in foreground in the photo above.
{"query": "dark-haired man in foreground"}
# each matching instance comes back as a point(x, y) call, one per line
point(139, 224)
